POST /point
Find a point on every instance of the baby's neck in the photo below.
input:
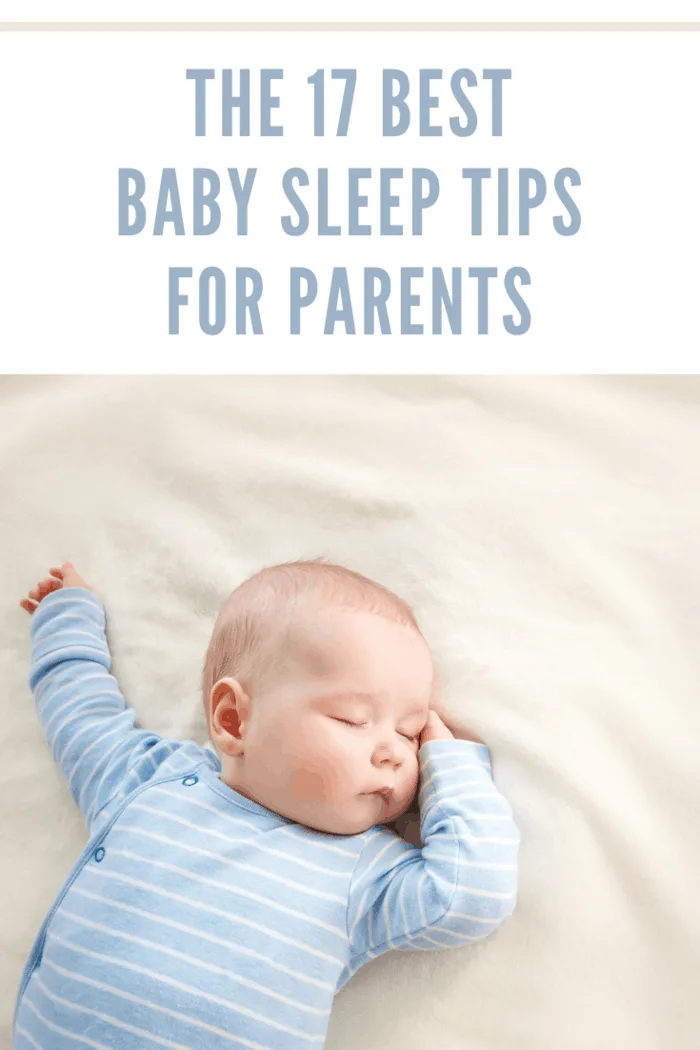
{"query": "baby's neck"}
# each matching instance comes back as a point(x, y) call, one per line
point(231, 777)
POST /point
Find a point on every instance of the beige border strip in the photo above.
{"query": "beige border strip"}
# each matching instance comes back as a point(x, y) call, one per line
point(349, 27)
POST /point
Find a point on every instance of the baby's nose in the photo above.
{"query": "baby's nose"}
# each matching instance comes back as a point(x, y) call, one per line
point(386, 753)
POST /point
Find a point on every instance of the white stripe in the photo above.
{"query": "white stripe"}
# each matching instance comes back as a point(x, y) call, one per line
point(111, 751)
point(138, 776)
point(171, 746)
point(227, 838)
point(81, 715)
point(458, 761)
point(312, 840)
point(89, 724)
point(88, 711)
point(132, 1028)
point(58, 1028)
point(387, 918)
point(402, 893)
point(73, 617)
point(42, 638)
point(205, 805)
point(464, 816)
point(59, 598)
point(193, 960)
point(456, 793)
point(493, 841)
point(408, 856)
point(419, 895)
point(362, 906)
point(444, 749)
point(431, 940)
point(307, 864)
point(437, 877)
point(469, 891)
point(212, 809)
point(360, 914)
point(467, 765)
point(421, 947)
point(110, 769)
point(460, 764)
point(25, 1033)
point(93, 869)
point(230, 945)
point(457, 769)
point(171, 982)
point(70, 684)
point(62, 600)
point(43, 685)
point(87, 751)
point(231, 888)
point(460, 936)
point(473, 918)
point(393, 841)
point(221, 859)
point(474, 863)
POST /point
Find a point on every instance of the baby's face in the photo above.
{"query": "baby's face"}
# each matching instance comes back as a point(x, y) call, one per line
point(340, 721)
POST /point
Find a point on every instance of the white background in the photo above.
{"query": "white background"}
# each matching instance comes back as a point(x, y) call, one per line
point(343, 10)
point(617, 297)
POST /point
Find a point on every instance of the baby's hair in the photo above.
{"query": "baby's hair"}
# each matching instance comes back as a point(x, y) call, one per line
point(258, 606)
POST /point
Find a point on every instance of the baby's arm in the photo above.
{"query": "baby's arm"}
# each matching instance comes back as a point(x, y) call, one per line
point(462, 885)
point(89, 727)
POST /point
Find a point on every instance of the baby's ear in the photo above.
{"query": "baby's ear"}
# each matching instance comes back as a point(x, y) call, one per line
point(229, 708)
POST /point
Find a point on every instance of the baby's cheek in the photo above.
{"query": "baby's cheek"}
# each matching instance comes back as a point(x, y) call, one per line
point(411, 783)
point(314, 777)
point(309, 785)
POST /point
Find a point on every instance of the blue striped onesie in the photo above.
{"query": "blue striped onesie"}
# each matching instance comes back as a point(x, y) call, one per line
point(197, 919)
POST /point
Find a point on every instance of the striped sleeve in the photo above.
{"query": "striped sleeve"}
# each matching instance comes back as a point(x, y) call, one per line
point(89, 727)
point(461, 885)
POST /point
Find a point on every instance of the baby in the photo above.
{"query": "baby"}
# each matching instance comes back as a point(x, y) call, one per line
point(222, 900)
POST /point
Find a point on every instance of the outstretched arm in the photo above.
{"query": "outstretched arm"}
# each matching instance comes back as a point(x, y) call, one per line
point(462, 884)
point(88, 725)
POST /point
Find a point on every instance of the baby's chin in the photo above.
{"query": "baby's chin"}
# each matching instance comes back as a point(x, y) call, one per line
point(372, 812)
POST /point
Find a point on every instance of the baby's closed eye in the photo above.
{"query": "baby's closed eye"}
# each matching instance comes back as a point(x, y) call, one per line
point(361, 725)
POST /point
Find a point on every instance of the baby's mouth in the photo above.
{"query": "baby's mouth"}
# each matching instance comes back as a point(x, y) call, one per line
point(384, 794)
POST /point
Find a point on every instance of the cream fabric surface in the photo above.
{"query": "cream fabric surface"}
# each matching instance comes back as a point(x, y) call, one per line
point(547, 532)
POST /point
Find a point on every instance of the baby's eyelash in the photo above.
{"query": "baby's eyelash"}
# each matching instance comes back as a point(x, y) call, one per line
point(360, 725)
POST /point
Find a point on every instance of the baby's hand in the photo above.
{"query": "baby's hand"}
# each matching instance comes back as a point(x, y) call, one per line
point(435, 729)
point(64, 576)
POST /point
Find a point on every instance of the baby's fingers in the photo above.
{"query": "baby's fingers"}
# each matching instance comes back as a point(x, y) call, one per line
point(435, 729)
point(29, 606)
point(44, 587)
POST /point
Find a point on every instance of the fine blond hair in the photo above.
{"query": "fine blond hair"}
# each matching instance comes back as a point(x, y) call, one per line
point(258, 610)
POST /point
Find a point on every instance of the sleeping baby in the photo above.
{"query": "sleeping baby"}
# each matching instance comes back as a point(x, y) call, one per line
point(226, 894)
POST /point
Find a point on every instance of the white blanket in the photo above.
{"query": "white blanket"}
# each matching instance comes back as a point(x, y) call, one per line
point(547, 532)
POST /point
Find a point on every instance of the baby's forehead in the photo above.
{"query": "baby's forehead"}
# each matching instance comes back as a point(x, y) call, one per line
point(310, 650)
point(309, 639)
point(324, 644)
